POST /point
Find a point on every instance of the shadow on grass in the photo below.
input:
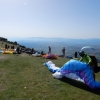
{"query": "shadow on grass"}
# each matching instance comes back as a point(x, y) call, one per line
point(80, 85)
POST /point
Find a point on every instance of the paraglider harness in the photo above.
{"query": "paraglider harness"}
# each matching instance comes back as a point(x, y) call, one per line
point(94, 64)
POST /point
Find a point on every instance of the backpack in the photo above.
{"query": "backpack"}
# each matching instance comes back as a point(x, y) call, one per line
point(94, 64)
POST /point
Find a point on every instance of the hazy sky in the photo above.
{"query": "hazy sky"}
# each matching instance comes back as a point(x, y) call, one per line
point(50, 18)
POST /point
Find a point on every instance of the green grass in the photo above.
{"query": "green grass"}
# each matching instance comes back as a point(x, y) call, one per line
point(24, 77)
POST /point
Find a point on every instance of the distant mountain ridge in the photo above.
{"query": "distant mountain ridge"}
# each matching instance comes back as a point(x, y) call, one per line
point(57, 43)
point(71, 41)
point(41, 42)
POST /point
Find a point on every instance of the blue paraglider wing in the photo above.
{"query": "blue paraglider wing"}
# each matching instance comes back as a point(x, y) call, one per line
point(77, 68)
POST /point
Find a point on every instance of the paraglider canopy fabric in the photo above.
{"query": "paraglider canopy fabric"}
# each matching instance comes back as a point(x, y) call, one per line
point(75, 68)
point(50, 56)
point(87, 47)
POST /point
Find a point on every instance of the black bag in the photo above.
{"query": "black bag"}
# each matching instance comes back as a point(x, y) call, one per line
point(94, 64)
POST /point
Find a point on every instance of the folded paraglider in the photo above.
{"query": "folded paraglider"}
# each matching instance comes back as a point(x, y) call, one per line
point(75, 70)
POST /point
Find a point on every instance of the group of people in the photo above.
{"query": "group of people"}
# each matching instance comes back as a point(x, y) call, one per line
point(7, 47)
point(91, 61)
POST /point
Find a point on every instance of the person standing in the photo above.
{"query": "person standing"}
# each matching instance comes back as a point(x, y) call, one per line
point(49, 52)
point(18, 50)
point(75, 55)
point(6, 47)
point(63, 51)
point(32, 50)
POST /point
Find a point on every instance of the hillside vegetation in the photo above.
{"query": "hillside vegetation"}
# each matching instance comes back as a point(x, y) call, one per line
point(24, 77)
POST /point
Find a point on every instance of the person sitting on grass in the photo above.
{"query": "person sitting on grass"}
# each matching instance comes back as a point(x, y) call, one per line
point(85, 58)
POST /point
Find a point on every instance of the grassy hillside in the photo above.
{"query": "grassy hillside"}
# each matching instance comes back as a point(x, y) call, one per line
point(23, 77)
